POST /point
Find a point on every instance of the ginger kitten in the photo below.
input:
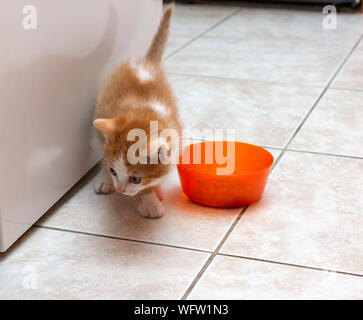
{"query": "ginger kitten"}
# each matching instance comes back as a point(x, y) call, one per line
point(135, 95)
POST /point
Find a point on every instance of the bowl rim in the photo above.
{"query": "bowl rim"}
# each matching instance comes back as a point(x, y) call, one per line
point(184, 166)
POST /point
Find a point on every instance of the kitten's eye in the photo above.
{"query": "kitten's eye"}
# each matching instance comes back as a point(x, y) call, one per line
point(113, 172)
point(135, 180)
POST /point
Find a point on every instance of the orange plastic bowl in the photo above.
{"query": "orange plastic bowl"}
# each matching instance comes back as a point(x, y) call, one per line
point(241, 185)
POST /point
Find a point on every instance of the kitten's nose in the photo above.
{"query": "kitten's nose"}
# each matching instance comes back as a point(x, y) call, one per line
point(120, 189)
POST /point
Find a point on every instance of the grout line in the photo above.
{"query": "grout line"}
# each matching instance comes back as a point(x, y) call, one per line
point(315, 152)
point(294, 150)
point(326, 154)
point(213, 254)
point(245, 80)
point(267, 147)
point(346, 89)
point(290, 264)
point(119, 238)
point(202, 34)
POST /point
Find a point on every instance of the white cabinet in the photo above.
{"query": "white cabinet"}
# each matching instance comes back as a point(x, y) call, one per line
point(49, 79)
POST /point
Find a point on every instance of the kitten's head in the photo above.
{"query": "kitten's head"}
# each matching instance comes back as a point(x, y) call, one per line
point(129, 176)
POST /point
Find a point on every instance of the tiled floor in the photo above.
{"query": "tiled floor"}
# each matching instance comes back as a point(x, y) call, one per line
point(281, 81)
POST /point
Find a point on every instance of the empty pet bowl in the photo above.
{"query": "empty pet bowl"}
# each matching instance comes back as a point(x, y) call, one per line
point(224, 173)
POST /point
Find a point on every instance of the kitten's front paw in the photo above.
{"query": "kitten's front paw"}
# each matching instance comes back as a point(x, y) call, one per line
point(103, 187)
point(150, 207)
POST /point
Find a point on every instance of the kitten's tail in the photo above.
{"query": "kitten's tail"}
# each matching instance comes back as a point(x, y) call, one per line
point(156, 50)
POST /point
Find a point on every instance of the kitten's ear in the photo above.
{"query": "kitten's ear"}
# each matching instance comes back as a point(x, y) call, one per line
point(106, 126)
point(110, 127)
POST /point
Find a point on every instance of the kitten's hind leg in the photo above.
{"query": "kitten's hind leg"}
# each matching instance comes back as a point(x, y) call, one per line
point(148, 204)
point(103, 184)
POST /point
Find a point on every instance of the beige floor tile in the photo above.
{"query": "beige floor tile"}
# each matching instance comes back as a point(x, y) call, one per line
point(310, 215)
point(184, 224)
point(234, 278)
point(260, 113)
point(189, 21)
point(335, 126)
point(351, 76)
point(257, 44)
point(50, 264)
